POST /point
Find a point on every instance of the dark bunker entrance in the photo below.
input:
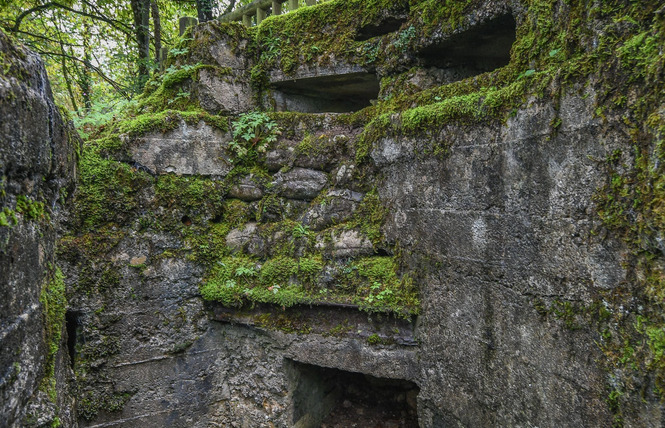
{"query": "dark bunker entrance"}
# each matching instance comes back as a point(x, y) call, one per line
point(342, 93)
point(481, 48)
point(332, 398)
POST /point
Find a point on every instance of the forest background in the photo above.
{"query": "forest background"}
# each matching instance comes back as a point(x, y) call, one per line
point(100, 53)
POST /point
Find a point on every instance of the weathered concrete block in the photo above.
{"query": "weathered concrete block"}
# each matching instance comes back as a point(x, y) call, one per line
point(246, 239)
point(246, 190)
point(338, 206)
point(223, 94)
point(300, 183)
point(187, 150)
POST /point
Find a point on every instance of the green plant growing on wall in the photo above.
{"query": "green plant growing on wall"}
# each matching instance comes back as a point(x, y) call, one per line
point(253, 132)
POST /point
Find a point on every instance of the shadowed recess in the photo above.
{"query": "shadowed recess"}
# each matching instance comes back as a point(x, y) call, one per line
point(482, 48)
point(325, 397)
point(388, 25)
point(327, 94)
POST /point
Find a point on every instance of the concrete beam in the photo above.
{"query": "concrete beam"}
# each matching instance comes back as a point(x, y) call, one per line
point(237, 14)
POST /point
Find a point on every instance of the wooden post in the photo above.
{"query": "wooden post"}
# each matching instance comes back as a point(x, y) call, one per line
point(276, 7)
point(247, 20)
point(185, 22)
point(293, 4)
point(310, 2)
point(260, 15)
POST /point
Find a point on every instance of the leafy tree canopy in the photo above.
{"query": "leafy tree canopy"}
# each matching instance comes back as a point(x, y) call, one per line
point(99, 53)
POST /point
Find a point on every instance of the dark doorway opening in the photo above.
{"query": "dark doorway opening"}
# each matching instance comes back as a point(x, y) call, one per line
point(482, 48)
point(340, 93)
point(332, 398)
point(388, 25)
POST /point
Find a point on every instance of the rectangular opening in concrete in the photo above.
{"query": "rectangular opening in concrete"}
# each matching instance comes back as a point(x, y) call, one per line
point(388, 25)
point(325, 397)
point(340, 93)
point(482, 48)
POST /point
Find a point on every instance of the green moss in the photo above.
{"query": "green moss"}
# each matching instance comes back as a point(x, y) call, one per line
point(309, 270)
point(8, 218)
point(107, 190)
point(236, 212)
point(12, 59)
point(369, 217)
point(31, 210)
point(566, 312)
point(236, 280)
point(167, 120)
point(194, 196)
point(287, 323)
point(170, 89)
point(330, 29)
point(92, 402)
point(228, 280)
point(374, 339)
point(278, 271)
point(54, 304)
point(377, 287)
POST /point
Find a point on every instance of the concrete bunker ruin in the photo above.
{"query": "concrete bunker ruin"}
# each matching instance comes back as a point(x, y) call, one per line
point(331, 397)
point(479, 49)
point(331, 93)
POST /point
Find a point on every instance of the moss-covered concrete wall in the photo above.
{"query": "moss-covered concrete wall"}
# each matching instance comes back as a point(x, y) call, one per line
point(491, 234)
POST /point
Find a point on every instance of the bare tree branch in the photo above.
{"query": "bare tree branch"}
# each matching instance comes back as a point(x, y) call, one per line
point(117, 86)
point(48, 39)
point(118, 25)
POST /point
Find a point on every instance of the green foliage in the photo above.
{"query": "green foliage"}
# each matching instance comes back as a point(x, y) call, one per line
point(405, 38)
point(300, 231)
point(228, 279)
point(253, 133)
point(101, 112)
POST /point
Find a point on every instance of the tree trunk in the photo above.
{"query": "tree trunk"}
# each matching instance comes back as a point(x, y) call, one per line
point(86, 78)
point(204, 9)
point(141, 12)
point(157, 30)
point(229, 7)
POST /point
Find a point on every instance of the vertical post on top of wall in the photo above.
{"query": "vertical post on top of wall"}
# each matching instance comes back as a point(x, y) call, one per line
point(276, 7)
point(310, 2)
point(247, 20)
point(185, 22)
point(293, 4)
point(260, 15)
point(163, 53)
